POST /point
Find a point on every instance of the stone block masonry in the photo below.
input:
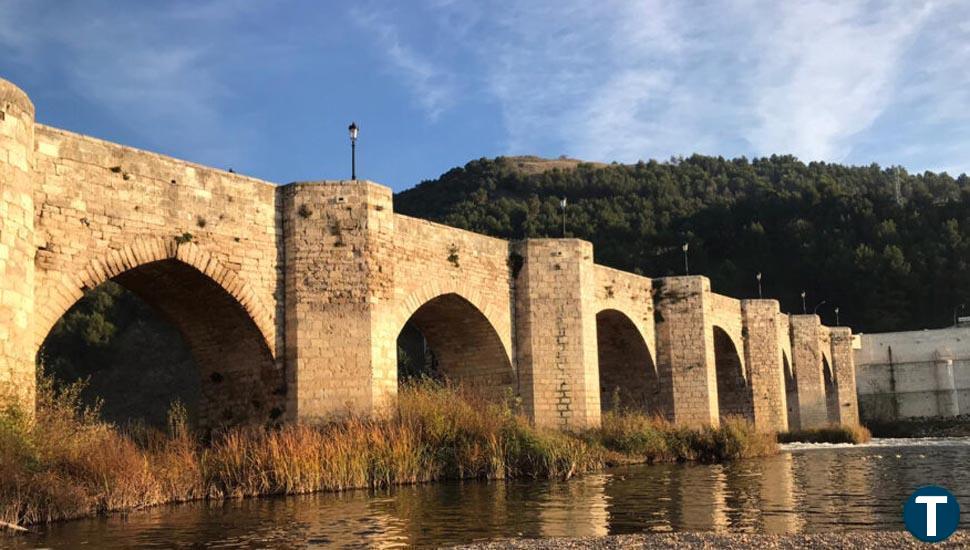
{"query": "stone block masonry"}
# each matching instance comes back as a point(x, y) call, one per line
point(556, 332)
point(291, 297)
point(844, 369)
point(685, 348)
point(763, 354)
point(809, 377)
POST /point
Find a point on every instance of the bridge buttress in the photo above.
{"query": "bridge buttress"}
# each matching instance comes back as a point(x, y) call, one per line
point(338, 270)
point(685, 348)
point(807, 365)
point(766, 377)
point(17, 266)
point(555, 312)
point(844, 366)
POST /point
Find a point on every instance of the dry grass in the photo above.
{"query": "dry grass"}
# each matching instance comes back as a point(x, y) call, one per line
point(65, 463)
point(653, 439)
point(829, 434)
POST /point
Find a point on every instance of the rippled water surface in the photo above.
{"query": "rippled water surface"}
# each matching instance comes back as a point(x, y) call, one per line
point(805, 488)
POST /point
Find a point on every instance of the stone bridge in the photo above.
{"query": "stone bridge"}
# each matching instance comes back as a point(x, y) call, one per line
point(292, 297)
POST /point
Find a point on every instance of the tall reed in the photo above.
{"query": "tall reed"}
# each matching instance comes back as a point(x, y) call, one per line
point(66, 463)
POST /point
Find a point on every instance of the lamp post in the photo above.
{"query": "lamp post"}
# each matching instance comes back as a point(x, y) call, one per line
point(837, 316)
point(353, 150)
point(804, 307)
point(758, 276)
point(562, 204)
point(815, 310)
point(686, 265)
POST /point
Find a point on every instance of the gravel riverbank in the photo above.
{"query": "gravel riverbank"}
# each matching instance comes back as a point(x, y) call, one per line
point(854, 539)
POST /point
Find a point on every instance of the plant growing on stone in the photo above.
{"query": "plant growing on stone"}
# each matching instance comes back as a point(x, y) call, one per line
point(453, 255)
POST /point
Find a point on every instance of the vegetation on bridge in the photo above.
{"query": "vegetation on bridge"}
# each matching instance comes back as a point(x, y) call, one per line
point(67, 463)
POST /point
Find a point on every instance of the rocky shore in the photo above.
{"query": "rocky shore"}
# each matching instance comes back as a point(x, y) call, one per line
point(854, 539)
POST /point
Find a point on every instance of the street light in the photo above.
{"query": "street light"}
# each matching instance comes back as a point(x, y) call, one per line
point(758, 276)
point(815, 311)
point(353, 150)
point(804, 307)
point(686, 266)
point(562, 204)
point(837, 316)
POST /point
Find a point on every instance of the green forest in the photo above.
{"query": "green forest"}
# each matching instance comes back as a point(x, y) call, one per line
point(842, 234)
point(887, 260)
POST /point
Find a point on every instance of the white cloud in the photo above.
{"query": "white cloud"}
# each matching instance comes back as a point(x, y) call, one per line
point(433, 87)
point(853, 81)
point(630, 79)
point(146, 65)
point(827, 72)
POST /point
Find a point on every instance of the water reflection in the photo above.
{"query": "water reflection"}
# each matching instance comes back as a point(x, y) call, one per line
point(803, 490)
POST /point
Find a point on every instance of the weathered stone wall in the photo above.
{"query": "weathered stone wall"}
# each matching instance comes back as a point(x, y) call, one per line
point(734, 394)
point(763, 354)
point(17, 275)
point(843, 365)
point(626, 344)
point(807, 364)
point(456, 286)
point(828, 375)
point(630, 294)
point(198, 244)
point(788, 371)
point(555, 312)
point(338, 240)
point(685, 348)
point(291, 298)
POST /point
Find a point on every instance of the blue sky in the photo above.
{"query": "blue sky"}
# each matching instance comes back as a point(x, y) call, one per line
point(268, 88)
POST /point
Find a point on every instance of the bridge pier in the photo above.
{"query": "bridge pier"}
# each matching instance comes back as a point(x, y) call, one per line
point(556, 333)
point(807, 366)
point(763, 355)
point(17, 248)
point(685, 348)
point(338, 271)
point(844, 368)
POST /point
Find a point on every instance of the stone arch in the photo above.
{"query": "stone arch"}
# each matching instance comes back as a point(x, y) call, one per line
point(498, 315)
point(227, 330)
point(628, 376)
point(68, 289)
point(733, 390)
point(465, 344)
point(831, 391)
point(791, 391)
point(825, 353)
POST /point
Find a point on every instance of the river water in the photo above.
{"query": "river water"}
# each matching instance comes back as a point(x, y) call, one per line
point(805, 488)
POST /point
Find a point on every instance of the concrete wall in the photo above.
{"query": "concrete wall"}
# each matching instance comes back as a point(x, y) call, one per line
point(913, 374)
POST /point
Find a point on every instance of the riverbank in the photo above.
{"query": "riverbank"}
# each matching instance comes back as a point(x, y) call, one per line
point(876, 540)
point(65, 463)
point(956, 426)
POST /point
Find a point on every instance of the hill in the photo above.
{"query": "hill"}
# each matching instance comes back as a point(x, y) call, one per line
point(837, 232)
